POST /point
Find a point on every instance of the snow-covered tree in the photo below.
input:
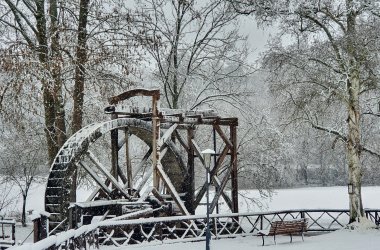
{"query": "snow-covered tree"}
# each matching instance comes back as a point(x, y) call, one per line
point(328, 63)
point(54, 52)
point(199, 54)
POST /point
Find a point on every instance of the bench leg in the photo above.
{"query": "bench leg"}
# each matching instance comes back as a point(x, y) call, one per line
point(274, 238)
point(302, 236)
point(291, 238)
point(262, 236)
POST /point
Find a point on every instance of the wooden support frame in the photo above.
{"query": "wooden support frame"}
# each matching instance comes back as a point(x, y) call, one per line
point(173, 121)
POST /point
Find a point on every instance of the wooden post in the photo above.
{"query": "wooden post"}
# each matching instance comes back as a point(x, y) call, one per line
point(114, 150)
point(216, 186)
point(155, 139)
point(128, 161)
point(234, 177)
point(14, 233)
point(190, 185)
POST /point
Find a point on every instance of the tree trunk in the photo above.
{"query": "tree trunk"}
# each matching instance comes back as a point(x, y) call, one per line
point(55, 67)
point(80, 70)
point(353, 138)
point(48, 98)
point(23, 216)
point(353, 151)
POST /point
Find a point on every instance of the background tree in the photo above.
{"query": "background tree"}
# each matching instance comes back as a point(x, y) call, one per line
point(326, 70)
point(49, 49)
point(21, 163)
point(199, 54)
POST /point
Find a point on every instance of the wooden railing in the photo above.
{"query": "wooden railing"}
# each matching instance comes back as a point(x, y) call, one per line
point(190, 228)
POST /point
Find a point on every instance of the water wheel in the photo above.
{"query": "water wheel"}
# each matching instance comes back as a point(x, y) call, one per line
point(76, 155)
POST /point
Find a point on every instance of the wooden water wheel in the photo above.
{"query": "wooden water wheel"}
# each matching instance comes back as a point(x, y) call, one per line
point(75, 153)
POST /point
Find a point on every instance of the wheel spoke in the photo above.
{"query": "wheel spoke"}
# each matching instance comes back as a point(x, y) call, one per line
point(109, 176)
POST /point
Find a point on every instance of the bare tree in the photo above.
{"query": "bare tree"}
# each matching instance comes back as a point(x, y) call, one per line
point(21, 164)
point(326, 70)
point(200, 56)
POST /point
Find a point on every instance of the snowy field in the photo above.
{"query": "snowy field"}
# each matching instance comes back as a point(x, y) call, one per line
point(339, 240)
point(299, 198)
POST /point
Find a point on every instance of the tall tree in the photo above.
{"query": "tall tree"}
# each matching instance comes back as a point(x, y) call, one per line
point(200, 56)
point(326, 70)
point(46, 46)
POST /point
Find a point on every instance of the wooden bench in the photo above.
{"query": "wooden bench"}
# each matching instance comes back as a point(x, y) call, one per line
point(291, 227)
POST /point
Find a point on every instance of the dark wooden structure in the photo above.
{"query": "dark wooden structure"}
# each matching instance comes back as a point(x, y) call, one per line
point(173, 139)
point(7, 233)
point(187, 228)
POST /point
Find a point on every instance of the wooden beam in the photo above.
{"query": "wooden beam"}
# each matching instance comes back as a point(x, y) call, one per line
point(142, 163)
point(114, 150)
point(226, 198)
point(198, 151)
point(128, 161)
point(134, 92)
point(158, 195)
point(223, 136)
point(145, 179)
point(189, 181)
point(172, 190)
point(113, 180)
point(166, 136)
point(220, 188)
point(155, 140)
point(163, 153)
point(182, 141)
point(234, 171)
point(213, 172)
point(96, 178)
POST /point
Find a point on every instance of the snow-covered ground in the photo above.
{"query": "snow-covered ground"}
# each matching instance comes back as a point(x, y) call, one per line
point(298, 198)
point(339, 240)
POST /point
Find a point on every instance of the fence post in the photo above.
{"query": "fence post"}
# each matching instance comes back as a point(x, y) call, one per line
point(215, 227)
point(261, 222)
point(14, 233)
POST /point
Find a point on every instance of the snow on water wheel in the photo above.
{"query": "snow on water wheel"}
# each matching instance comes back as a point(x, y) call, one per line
point(76, 153)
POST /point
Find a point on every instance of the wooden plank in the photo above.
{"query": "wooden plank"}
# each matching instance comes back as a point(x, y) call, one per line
point(155, 93)
point(166, 136)
point(172, 190)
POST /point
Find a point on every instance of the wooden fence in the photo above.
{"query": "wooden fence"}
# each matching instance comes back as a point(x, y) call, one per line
point(190, 228)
